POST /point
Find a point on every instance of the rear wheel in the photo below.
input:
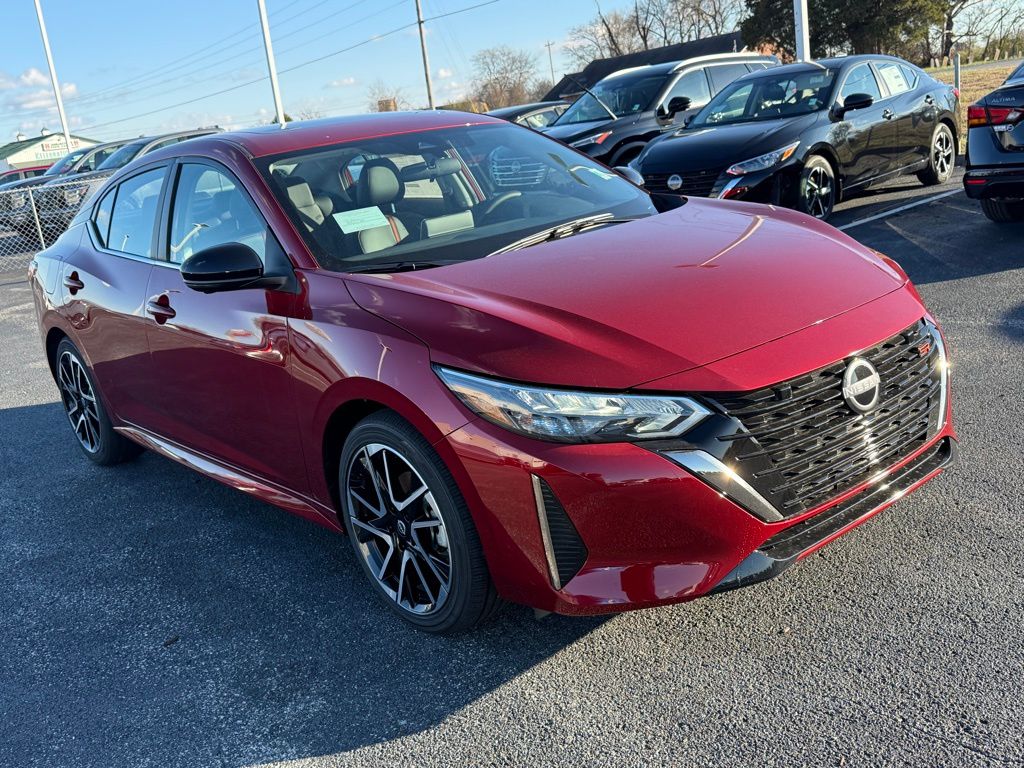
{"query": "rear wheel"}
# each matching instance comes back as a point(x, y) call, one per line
point(84, 408)
point(1003, 211)
point(816, 192)
point(941, 158)
point(410, 528)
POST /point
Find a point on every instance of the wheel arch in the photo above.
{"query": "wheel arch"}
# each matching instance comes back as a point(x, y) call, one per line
point(825, 150)
point(54, 337)
point(949, 121)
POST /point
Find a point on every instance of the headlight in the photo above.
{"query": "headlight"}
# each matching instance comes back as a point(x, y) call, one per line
point(573, 417)
point(764, 162)
point(597, 138)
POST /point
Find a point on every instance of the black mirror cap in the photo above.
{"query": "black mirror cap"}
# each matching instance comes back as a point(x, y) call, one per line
point(855, 101)
point(629, 174)
point(678, 104)
point(227, 267)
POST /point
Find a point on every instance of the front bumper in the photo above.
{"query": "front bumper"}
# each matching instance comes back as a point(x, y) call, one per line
point(986, 183)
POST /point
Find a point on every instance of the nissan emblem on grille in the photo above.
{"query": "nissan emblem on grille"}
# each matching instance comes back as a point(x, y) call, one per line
point(862, 386)
point(675, 181)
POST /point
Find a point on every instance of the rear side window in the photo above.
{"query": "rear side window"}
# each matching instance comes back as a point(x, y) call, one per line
point(694, 86)
point(756, 66)
point(893, 75)
point(133, 218)
point(861, 80)
point(724, 74)
point(910, 74)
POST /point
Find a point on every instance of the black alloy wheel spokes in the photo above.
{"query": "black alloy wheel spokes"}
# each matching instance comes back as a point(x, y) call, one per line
point(79, 401)
point(399, 530)
point(819, 193)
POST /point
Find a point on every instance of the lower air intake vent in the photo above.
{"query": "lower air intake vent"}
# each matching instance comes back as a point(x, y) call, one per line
point(563, 546)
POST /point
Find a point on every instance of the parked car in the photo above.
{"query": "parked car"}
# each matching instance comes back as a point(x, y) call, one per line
point(537, 115)
point(20, 174)
point(58, 202)
point(806, 135)
point(453, 361)
point(995, 151)
point(613, 121)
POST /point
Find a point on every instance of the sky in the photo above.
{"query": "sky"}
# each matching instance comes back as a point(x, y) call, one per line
point(127, 67)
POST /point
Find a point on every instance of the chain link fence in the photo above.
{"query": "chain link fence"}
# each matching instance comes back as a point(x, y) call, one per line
point(33, 217)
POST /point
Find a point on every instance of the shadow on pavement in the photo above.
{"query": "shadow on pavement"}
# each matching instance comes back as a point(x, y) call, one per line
point(152, 616)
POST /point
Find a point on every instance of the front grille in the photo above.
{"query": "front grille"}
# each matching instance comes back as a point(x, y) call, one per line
point(513, 171)
point(802, 445)
point(694, 184)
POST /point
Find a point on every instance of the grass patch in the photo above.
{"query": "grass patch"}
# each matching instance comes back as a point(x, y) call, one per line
point(974, 83)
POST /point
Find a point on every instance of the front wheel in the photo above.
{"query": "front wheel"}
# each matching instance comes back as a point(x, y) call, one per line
point(410, 528)
point(1003, 211)
point(816, 191)
point(941, 158)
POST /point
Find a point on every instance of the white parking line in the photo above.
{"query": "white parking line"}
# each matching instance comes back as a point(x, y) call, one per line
point(907, 207)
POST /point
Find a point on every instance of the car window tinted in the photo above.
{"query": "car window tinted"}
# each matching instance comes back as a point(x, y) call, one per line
point(892, 74)
point(724, 74)
point(210, 209)
point(101, 218)
point(912, 75)
point(122, 157)
point(694, 86)
point(861, 79)
point(65, 163)
point(133, 219)
point(540, 119)
point(769, 97)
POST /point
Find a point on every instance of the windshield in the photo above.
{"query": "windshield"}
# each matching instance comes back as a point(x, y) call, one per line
point(122, 157)
point(442, 195)
point(64, 164)
point(623, 95)
point(769, 97)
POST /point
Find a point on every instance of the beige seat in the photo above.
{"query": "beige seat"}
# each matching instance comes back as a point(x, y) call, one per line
point(379, 185)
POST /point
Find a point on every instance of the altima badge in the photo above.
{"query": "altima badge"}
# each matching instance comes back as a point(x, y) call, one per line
point(862, 386)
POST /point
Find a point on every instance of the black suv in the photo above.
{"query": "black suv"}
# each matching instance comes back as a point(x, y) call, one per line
point(995, 151)
point(614, 120)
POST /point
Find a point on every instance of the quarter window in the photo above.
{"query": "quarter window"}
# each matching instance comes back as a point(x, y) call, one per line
point(861, 80)
point(211, 209)
point(133, 217)
point(694, 86)
point(102, 217)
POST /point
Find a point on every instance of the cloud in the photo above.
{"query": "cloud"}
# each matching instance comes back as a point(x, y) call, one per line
point(33, 76)
point(444, 73)
point(345, 82)
point(7, 82)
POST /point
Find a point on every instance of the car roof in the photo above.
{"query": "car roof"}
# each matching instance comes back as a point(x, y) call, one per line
point(831, 63)
point(265, 140)
point(669, 67)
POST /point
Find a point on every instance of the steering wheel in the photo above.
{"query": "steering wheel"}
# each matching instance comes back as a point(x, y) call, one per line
point(499, 201)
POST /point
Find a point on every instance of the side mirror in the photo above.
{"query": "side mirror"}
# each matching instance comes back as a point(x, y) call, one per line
point(629, 174)
point(227, 267)
point(852, 102)
point(676, 105)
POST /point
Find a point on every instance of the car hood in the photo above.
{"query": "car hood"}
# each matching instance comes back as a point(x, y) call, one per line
point(692, 149)
point(35, 181)
point(572, 131)
point(622, 305)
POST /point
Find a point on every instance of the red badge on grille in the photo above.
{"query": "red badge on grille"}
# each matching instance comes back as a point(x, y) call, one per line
point(924, 348)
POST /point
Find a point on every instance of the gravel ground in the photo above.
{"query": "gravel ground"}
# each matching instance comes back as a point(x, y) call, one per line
point(152, 617)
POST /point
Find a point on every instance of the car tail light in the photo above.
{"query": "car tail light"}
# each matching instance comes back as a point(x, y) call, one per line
point(956, 92)
point(978, 115)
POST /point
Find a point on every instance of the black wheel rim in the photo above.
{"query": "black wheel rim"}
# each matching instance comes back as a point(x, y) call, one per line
point(79, 401)
point(399, 531)
point(819, 192)
point(942, 153)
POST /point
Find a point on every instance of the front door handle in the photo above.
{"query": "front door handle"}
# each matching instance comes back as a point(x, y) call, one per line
point(887, 114)
point(160, 308)
point(73, 284)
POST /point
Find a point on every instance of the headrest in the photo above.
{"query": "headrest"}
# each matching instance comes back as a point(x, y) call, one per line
point(442, 166)
point(774, 92)
point(379, 183)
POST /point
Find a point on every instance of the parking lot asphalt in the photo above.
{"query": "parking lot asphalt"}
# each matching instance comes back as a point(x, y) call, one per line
point(151, 617)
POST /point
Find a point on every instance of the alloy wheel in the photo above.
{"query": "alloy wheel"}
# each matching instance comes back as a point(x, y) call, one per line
point(398, 528)
point(819, 193)
point(79, 401)
point(942, 153)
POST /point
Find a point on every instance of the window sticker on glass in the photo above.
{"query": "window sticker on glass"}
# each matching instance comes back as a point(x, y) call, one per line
point(360, 219)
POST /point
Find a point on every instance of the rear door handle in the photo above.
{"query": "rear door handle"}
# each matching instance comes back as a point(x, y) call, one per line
point(887, 114)
point(929, 99)
point(73, 284)
point(160, 308)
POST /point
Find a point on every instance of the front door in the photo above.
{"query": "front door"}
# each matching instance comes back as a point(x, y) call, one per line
point(915, 110)
point(865, 139)
point(220, 361)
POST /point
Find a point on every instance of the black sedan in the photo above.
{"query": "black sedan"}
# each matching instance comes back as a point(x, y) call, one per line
point(995, 151)
point(806, 135)
point(537, 115)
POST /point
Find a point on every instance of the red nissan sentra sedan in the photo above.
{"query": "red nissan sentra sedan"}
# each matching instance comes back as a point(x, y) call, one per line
point(506, 372)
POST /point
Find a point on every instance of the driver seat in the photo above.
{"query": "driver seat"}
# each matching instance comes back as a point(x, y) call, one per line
point(380, 185)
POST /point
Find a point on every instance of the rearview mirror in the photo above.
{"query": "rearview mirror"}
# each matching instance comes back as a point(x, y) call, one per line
point(629, 174)
point(227, 267)
point(854, 101)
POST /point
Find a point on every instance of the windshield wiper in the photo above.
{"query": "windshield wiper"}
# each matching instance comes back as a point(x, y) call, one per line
point(597, 98)
point(567, 229)
point(400, 266)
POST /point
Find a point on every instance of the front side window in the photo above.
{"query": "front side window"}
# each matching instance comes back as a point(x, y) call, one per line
point(693, 86)
point(860, 80)
point(622, 94)
point(445, 195)
point(210, 209)
point(134, 215)
point(769, 97)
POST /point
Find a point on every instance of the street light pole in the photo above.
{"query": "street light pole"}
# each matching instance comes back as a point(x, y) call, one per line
point(803, 37)
point(551, 61)
point(53, 77)
point(426, 59)
point(271, 66)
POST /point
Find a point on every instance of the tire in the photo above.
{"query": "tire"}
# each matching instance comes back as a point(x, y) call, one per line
point(941, 157)
point(816, 188)
point(421, 527)
point(626, 155)
point(83, 405)
point(1003, 211)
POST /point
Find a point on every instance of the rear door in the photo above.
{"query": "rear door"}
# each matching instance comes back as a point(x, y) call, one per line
point(914, 109)
point(220, 361)
point(865, 138)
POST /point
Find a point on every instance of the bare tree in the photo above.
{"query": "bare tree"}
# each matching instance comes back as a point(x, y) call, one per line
point(503, 76)
point(381, 97)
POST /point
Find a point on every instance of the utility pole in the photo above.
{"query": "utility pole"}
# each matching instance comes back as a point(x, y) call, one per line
point(803, 37)
point(551, 61)
point(53, 77)
point(426, 59)
point(271, 66)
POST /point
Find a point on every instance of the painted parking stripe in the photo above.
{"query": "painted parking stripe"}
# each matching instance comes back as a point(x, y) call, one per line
point(901, 209)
